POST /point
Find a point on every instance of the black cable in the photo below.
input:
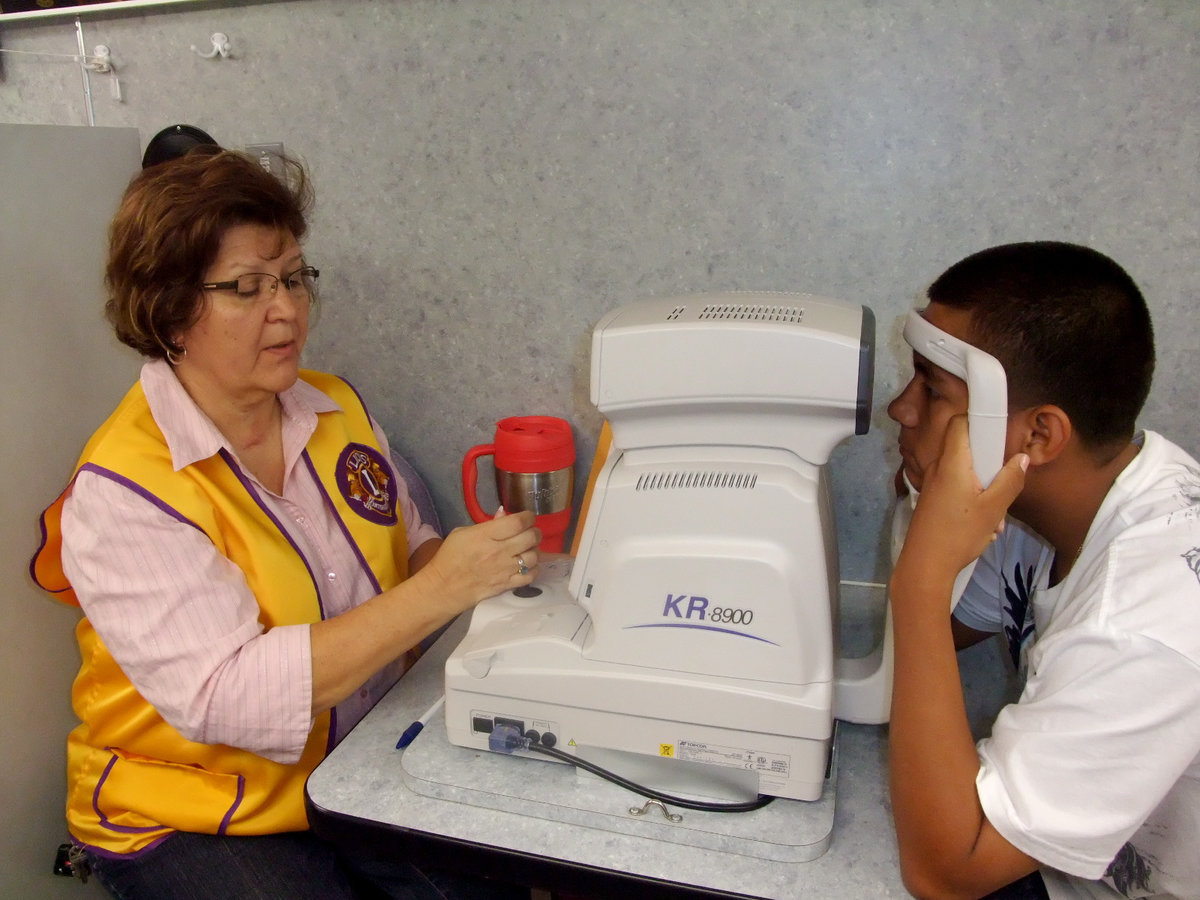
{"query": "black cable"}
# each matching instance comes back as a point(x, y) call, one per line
point(706, 806)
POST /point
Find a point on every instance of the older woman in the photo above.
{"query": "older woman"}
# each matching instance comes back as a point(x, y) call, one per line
point(253, 574)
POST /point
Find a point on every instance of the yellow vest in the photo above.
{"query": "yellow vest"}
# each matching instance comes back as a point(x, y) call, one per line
point(132, 778)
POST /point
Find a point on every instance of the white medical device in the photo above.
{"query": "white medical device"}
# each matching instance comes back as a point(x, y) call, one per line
point(987, 389)
point(692, 646)
point(987, 403)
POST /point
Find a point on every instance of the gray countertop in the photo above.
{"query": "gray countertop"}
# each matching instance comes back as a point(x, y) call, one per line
point(762, 853)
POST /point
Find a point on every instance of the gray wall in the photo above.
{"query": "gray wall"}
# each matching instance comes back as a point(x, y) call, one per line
point(494, 175)
point(61, 367)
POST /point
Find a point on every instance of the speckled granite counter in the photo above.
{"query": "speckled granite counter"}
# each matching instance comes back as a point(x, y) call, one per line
point(366, 787)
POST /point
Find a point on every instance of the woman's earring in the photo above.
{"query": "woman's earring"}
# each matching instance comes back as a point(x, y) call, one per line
point(175, 357)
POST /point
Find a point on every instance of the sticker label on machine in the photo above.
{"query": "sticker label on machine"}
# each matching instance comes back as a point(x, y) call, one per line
point(735, 757)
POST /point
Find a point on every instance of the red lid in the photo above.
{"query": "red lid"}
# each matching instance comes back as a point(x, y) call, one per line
point(534, 444)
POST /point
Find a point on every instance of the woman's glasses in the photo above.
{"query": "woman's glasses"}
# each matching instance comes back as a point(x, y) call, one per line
point(255, 286)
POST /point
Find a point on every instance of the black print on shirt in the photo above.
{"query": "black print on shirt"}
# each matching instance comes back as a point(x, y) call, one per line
point(1189, 487)
point(1193, 560)
point(1129, 871)
point(1019, 626)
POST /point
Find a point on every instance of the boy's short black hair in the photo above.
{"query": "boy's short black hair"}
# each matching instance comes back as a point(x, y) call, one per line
point(1069, 325)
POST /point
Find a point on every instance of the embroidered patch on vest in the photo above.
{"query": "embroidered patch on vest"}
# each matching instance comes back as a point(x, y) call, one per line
point(366, 482)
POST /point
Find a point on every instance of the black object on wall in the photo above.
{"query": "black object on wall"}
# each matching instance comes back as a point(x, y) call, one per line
point(174, 141)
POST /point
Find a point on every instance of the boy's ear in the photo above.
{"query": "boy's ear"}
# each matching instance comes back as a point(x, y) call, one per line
point(1044, 432)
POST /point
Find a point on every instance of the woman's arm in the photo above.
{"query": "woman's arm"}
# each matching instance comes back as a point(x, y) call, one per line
point(182, 623)
point(184, 626)
point(472, 564)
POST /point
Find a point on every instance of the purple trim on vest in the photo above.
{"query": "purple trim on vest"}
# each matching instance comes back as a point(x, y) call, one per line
point(361, 402)
point(118, 479)
point(331, 738)
point(104, 822)
point(42, 544)
point(143, 829)
point(233, 466)
point(241, 793)
point(138, 489)
point(362, 560)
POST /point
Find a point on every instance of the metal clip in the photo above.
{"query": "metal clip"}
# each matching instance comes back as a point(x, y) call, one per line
point(674, 818)
point(71, 860)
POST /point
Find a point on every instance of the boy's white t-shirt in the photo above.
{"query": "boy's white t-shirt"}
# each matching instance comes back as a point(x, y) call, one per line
point(1095, 771)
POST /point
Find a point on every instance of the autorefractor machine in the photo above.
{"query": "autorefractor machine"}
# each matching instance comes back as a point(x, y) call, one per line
point(690, 645)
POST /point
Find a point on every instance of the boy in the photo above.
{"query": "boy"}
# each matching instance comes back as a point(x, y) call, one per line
point(1093, 776)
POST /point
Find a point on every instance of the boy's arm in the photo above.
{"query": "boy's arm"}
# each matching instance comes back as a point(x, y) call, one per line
point(964, 635)
point(947, 846)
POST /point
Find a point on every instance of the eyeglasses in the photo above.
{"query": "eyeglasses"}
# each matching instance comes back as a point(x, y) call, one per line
point(259, 285)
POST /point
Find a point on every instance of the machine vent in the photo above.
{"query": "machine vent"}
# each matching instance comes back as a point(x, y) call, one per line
point(663, 481)
point(754, 313)
point(676, 313)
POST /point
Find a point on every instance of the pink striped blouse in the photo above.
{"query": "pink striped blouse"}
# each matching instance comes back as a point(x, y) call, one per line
point(180, 618)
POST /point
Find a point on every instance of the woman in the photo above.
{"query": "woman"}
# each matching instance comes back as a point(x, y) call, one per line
point(252, 573)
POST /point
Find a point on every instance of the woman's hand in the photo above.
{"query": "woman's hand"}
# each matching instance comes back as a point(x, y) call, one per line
point(472, 564)
point(480, 561)
point(956, 518)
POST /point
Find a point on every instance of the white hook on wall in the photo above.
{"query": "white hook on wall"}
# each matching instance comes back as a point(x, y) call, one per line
point(220, 47)
point(101, 61)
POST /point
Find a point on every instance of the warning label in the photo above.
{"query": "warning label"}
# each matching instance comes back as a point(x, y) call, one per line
point(735, 757)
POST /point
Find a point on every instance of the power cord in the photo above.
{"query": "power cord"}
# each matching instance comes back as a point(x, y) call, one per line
point(507, 739)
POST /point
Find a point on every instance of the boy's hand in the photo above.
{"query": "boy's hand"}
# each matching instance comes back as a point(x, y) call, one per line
point(956, 518)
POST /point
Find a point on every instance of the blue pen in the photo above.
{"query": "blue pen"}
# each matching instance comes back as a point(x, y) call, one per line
point(411, 732)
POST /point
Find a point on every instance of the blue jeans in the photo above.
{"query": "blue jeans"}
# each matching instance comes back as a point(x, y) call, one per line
point(292, 866)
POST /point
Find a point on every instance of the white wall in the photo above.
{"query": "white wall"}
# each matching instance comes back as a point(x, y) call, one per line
point(495, 175)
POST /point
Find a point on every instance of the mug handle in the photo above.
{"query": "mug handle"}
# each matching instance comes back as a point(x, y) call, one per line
point(470, 478)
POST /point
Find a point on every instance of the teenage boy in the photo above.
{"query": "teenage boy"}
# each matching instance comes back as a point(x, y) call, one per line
point(1092, 778)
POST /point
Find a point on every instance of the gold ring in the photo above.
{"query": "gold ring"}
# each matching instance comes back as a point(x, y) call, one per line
point(522, 569)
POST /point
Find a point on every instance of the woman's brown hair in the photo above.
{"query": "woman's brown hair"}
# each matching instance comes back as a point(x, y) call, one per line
point(168, 231)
